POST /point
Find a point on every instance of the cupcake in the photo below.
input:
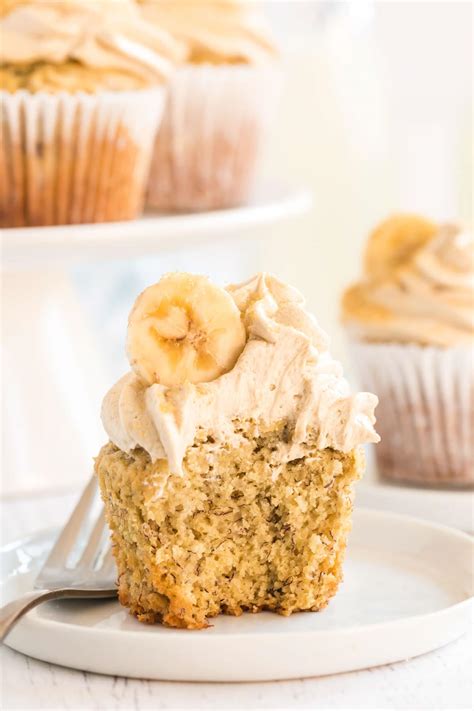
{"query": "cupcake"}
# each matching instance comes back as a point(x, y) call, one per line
point(218, 107)
point(234, 446)
point(411, 325)
point(82, 94)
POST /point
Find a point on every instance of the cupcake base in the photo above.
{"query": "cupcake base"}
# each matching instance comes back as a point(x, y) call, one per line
point(237, 532)
point(425, 415)
point(75, 158)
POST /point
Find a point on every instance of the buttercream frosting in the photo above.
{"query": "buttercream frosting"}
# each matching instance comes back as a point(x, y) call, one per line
point(107, 35)
point(284, 373)
point(428, 300)
point(217, 31)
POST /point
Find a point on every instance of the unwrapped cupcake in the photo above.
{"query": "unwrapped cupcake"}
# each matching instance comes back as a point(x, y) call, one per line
point(82, 94)
point(411, 324)
point(235, 444)
point(219, 103)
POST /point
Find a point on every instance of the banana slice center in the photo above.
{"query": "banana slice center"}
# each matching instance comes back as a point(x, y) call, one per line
point(177, 330)
point(184, 329)
point(171, 321)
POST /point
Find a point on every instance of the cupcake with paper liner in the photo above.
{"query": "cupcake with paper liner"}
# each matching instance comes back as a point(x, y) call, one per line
point(411, 324)
point(235, 444)
point(219, 104)
point(82, 93)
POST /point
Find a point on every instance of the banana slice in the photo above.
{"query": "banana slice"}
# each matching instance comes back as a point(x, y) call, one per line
point(394, 242)
point(184, 329)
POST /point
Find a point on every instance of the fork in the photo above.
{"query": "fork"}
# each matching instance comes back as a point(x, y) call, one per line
point(92, 576)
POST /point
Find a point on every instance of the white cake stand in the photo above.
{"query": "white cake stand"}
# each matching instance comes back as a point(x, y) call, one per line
point(53, 373)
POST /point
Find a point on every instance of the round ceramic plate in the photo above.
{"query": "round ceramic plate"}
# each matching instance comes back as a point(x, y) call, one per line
point(407, 590)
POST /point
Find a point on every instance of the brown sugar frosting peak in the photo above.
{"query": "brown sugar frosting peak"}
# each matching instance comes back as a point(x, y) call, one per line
point(42, 38)
point(418, 285)
point(214, 31)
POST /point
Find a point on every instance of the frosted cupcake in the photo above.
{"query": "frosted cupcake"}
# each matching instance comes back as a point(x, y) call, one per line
point(219, 104)
point(235, 443)
point(411, 323)
point(82, 94)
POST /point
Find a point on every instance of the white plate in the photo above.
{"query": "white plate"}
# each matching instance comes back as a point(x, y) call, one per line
point(151, 233)
point(407, 590)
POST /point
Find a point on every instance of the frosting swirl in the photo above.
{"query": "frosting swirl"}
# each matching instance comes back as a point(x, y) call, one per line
point(215, 31)
point(84, 36)
point(428, 299)
point(285, 373)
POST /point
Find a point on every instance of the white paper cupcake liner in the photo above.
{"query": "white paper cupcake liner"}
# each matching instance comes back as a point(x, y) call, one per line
point(76, 158)
point(208, 146)
point(425, 415)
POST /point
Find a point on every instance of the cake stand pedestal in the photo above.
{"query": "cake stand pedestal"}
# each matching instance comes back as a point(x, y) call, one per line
point(53, 374)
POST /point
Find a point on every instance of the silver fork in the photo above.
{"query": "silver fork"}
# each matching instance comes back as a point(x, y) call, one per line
point(93, 575)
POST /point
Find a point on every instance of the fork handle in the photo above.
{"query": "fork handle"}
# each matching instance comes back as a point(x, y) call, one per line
point(11, 613)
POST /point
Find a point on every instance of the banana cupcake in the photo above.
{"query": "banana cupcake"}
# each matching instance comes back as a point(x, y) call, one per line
point(411, 325)
point(218, 107)
point(82, 93)
point(234, 446)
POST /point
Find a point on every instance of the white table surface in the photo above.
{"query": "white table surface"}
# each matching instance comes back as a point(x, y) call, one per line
point(440, 680)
